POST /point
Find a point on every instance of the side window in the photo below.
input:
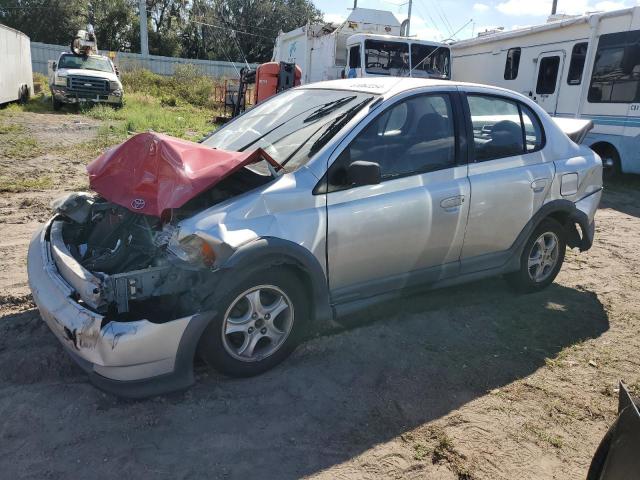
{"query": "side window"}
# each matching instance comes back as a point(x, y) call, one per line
point(354, 57)
point(616, 70)
point(533, 137)
point(512, 64)
point(547, 75)
point(576, 66)
point(414, 136)
point(502, 128)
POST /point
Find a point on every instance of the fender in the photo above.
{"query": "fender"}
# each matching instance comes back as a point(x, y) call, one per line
point(266, 252)
point(508, 260)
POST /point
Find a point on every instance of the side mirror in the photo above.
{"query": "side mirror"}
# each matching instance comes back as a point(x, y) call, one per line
point(117, 71)
point(363, 173)
point(54, 66)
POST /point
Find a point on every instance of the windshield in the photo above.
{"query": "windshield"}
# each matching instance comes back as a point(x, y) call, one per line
point(87, 63)
point(386, 58)
point(429, 61)
point(292, 125)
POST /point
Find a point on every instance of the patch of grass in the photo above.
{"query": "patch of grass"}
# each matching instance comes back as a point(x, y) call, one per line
point(187, 85)
point(15, 185)
point(542, 435)
point(143, 112)
point(420, 451)
point(445, 452)
point(20, 147)
point(11, 128)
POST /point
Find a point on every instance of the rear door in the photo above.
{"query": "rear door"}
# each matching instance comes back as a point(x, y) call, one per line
point(508, 175)
point(547, 80)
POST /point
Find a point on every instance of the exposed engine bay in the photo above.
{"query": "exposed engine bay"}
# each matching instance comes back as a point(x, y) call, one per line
point(127, 251)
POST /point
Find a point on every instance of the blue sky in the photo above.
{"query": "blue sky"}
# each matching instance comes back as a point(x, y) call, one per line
point(437, 20)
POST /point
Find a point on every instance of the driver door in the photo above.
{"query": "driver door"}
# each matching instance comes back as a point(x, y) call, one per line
point(409, 228)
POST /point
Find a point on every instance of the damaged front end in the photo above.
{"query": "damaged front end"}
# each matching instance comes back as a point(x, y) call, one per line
point(113, 278)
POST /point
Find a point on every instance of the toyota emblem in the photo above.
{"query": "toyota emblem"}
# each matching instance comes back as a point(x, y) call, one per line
point(138, 203)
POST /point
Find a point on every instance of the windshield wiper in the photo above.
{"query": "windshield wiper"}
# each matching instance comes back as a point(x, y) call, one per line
point(336, 125)
point(328, 108)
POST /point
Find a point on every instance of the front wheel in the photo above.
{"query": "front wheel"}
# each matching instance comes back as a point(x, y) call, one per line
point(57, 105)
point(541, 258)
point(259, 324)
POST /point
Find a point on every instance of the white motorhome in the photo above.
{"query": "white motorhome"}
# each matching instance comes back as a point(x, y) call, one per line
point(580, 67)
point(368, 43)
point(16, 77)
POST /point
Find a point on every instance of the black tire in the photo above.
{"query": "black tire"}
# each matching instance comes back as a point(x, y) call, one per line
point(214, 350)
point(57, 105)
point(599, 458)
point(611, 167)
point(522, 280)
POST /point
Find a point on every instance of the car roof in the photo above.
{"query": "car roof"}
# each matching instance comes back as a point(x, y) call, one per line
point(392, 85)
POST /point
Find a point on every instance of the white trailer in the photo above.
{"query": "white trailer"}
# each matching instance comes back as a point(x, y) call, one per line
point(16, 78)
point(579, 67)
point(320, 50)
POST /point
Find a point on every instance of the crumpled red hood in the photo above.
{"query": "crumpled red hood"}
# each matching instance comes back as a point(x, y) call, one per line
point(150, 172)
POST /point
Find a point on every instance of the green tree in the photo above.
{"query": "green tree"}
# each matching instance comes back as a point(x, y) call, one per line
point(47, 21)
point(116, 24)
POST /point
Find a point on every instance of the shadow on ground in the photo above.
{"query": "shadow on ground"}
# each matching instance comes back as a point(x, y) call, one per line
point(621, 195)
point(408, 363)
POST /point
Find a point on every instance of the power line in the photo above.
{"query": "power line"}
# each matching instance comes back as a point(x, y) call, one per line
point(224, 27)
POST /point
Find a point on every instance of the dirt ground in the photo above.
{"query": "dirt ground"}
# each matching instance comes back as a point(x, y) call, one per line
point(470, 382)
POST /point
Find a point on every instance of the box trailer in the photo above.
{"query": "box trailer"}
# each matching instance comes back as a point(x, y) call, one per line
point(586, 66)
point(367, 44)
point(16, 77)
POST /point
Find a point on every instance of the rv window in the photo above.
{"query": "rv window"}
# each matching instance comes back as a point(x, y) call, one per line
point(386, 58)
point(354, 57)
point(513, 63)
point(578, 55)
point(616, 71)
point(547, 75)
point(429, 61)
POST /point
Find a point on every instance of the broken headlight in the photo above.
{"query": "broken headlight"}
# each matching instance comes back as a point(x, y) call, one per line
point(194, 250)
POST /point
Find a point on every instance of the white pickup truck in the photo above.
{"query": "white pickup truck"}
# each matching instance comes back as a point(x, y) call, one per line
point(84, 78)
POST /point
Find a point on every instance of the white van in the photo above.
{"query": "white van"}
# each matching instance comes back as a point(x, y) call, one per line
point(579, 67)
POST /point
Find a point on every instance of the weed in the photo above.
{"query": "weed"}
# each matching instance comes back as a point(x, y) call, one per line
point(15, 185)
point(420, 451)
point(540, 434)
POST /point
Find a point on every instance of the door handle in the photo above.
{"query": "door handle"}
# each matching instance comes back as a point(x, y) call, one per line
point(538, 185)
point(452, 202)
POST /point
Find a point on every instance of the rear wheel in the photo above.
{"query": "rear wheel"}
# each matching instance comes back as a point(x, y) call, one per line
point(541, 258)
point(259, 324)
point(611, 167)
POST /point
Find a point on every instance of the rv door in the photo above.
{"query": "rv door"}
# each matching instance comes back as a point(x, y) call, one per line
point(547, 80)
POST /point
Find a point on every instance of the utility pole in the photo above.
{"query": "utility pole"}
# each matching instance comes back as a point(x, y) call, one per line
point(355, 4)
point(409, 18)
point(554, 7)
point(144, 34)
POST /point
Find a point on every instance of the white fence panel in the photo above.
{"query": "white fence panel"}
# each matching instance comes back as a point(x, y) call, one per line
point(41, 53)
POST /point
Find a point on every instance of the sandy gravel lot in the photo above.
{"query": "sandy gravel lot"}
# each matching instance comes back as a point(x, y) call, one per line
point(471, 382)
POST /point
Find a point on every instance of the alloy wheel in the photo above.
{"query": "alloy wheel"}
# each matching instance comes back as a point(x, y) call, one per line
point(543, 257)
point(257, 323)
